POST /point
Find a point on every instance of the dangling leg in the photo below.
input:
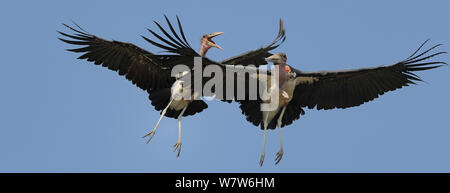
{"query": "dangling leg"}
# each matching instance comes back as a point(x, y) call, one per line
point(177, 145)
point(280, 153)
point(266, 115)
point(157, 124)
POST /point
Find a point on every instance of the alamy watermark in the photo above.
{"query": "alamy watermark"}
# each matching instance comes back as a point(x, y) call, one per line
point(227, 82)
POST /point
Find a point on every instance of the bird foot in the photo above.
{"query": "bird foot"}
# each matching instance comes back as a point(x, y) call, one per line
point(279, 156)
point(149, 134)
point(177, 147)
point(284, 94)
point(261, 160)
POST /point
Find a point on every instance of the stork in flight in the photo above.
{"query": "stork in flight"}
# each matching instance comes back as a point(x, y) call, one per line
point(331, 89)
point(152, 72)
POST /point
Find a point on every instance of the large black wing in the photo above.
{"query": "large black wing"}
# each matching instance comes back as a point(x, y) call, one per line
point(173, 44)
point(148, 71)
point(139, 66)
point(257, 57)
point(178, 47)
point(343, 89)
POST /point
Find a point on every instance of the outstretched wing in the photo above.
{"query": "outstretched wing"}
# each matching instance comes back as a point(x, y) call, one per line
point(343, 89)
point(139, 66)
point(148, 71)
point(174, 44)
point(257, 57)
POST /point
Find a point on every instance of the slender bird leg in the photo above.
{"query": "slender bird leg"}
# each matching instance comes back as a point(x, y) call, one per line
point(281, 152)
point(261, 160)
point(177, 145)
point(157, 124)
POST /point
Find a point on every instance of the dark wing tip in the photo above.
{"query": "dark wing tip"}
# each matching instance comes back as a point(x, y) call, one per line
point(79, 26)
point(414, 57)
point(281, 37)
point(181, 31)
point(415, 62)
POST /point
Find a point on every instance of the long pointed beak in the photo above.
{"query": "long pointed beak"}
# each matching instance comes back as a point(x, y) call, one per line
point(216, 46)
point(213, 44)
point(272, 58)
point(214, 34)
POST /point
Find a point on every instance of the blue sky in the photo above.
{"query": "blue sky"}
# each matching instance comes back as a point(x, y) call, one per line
point(59, 114)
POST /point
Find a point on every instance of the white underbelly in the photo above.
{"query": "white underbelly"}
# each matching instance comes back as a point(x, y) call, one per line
point(179, 101)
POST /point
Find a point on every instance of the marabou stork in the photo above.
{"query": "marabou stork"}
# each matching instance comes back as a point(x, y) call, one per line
point(152, 72)
point(331, 89)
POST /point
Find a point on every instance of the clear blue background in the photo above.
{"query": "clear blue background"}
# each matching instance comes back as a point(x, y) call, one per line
point(59, 114)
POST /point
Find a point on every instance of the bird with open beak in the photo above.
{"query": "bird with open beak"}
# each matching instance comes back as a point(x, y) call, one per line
point(181, 104)
point(154, 73)
point(207, 42)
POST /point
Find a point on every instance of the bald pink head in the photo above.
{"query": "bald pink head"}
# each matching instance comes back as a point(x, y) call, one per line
point(207, 43)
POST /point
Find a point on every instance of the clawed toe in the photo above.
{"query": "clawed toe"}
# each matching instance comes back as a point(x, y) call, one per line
point(279, 157)
point(261, 160)
point(150, 136)
point(177, 147)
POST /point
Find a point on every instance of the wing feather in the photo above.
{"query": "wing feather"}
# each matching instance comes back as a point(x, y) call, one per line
point(343, 89)
point(257, 57)
point(139, 66)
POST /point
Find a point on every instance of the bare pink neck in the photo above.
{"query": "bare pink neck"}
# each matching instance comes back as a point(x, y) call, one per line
point(282, 75)
point(204, 48)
